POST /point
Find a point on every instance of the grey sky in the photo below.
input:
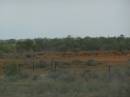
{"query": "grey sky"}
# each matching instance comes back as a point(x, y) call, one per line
point(59, 18)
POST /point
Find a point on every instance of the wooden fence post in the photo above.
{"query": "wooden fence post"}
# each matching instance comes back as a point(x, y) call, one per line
point(55, 66)
point(19, 67)
point(51, 64)
point(109, 72)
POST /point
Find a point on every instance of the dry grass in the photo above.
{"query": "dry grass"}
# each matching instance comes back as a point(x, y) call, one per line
point(80, 74)
point(68, 83)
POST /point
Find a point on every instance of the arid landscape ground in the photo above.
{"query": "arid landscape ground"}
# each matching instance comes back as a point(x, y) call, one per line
point(68, 67)
point(105, 58)
point(64, 48)
point(65, 74)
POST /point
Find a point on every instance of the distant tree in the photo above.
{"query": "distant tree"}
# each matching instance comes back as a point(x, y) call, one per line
point(25, 45)
point(69, 43)
point(39, 44)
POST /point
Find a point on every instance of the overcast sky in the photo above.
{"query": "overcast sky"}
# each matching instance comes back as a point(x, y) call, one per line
point(59, 18)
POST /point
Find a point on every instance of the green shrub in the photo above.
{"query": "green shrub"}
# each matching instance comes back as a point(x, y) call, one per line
point(41, 65)
point(91, 62)
point(12, 72)
point(77, 62)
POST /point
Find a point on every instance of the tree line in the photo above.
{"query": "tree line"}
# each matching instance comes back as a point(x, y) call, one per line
point(69, 43)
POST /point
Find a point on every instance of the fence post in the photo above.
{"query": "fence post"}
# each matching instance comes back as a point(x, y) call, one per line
point(19, 67)
point(109, 71)
point(55, 67)
point(51, 64)
point(33, 61)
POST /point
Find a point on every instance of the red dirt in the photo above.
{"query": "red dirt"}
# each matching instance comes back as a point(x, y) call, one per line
point(104, 57)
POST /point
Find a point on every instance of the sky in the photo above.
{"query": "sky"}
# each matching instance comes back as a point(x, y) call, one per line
point(21, 19)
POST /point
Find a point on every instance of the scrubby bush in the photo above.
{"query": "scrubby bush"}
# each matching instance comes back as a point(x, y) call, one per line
point(64, 84)
point(13, 72)
point(61, 75)
point(129, 61)
point(91, 62)
point(43, 65)
point(89, 74)
point(77, 62)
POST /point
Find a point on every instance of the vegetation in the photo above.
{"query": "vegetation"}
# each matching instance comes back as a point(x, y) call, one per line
point(12, 72)
point(28, 74)
point(67, 44)
point(64, 83)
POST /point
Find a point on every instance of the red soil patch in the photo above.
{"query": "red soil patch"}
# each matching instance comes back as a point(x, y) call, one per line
point(104, 57)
